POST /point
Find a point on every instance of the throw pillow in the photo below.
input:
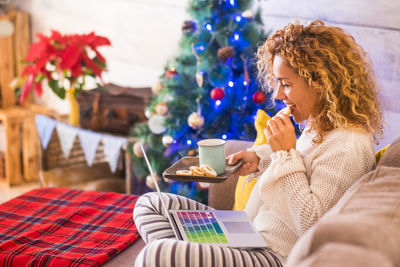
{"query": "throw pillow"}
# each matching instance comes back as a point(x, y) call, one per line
point(242, 196)
point(379, 154)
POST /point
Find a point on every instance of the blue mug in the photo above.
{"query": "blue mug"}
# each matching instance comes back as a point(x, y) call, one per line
point(212, 153)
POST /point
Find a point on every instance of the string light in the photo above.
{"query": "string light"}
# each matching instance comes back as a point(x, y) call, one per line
point(224, 136)
point(209, 27)
point(218, 102)
point(245, 83)
point(238, 18)
point(236, 36)
point(230, 83)
point(189, 142)
point(245, 98)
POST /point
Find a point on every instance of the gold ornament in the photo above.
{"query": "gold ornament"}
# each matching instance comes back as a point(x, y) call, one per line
point(195, 120)
point(167, 140)
point(157, 87)
point(199, 78)
point(137, 150)
point(248, 14)
point(161, 108)
point(226, 52)
point(150, 182)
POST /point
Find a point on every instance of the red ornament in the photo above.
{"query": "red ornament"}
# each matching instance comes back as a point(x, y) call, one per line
point(170, 73)
point(217, 93)
point(259, 97)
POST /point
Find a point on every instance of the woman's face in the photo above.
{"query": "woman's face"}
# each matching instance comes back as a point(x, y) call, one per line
point(294, 91)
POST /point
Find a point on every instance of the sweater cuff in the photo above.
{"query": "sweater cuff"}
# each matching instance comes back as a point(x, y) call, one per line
point(284, 163)
point(264, 153)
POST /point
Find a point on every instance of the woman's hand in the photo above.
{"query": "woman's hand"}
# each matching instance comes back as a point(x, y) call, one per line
point(250, 161)
point(280, 133)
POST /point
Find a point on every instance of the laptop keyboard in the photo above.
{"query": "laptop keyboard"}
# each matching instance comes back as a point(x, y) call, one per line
point(201, 227)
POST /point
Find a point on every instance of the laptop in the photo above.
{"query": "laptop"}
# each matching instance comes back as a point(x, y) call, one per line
point(219, 227)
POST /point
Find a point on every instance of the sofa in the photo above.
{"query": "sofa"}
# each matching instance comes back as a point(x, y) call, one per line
point(362, 229)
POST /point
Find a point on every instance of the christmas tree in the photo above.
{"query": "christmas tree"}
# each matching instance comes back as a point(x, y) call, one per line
point(208, 91)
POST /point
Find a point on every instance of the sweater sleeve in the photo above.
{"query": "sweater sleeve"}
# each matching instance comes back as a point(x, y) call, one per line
point(301, 193)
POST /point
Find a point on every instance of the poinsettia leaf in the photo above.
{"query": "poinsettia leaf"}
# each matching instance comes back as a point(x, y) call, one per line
point(70, 57)
point(59, 91)
point(38, 89)
point(35, 51)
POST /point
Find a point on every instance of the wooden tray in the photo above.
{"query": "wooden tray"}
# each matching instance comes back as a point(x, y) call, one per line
point(186, 162)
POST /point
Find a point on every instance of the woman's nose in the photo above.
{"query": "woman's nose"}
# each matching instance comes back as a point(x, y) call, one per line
point(279, 93)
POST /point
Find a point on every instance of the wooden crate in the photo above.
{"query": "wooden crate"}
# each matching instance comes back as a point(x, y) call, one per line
point(21, 153)
point(13, 50)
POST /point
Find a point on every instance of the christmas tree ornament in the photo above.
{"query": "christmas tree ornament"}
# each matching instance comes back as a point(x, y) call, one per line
point(217, 93)
point(246, 75)
point(161, 108)
point(259, 97)
point(157, 87)
point(225, 53)
point(168, 181)
point(200, 78)
point(203, 186)
point(220, 76)
point(156, 124)
point(150, 181)
point(137, 150)
point(195, 120)
point(148, 113)
point(171, 74)
point(167, 140)
point(248, 14)
point(189, 26)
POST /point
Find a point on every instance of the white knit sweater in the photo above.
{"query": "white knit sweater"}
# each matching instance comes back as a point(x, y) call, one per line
point(296, 188)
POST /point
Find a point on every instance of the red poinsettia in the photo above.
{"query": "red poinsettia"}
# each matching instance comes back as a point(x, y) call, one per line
point(63, 57)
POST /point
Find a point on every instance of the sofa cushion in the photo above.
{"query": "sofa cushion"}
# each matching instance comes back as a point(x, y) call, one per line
point(391, 157)
point(364, 226)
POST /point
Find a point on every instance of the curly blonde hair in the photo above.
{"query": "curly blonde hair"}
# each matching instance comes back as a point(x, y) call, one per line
point(336, 66)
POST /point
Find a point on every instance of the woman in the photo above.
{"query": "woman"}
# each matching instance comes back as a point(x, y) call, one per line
point(322, 75)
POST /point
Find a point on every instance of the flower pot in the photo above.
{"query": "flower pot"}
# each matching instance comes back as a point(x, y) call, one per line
point(74, 108)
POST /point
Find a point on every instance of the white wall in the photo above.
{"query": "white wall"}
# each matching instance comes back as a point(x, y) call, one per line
point(145, 34)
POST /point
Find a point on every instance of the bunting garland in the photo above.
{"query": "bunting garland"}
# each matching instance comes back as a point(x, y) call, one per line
point(89, 140)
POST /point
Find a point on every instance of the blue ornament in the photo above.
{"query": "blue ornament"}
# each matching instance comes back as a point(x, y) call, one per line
point(220, 76)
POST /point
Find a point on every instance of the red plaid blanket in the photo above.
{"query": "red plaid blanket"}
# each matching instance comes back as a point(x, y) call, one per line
point(65, 227)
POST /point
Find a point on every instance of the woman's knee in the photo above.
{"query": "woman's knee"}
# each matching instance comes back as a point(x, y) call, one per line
point(147, 257)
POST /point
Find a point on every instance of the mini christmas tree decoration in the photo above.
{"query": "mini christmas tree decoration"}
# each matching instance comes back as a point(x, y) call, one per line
point(217, 93)
point(171, 74)
point(137, 150)
point(195, 120)
point(161, 108)
point(259, 97)
point(225, 53)
point(157, 87)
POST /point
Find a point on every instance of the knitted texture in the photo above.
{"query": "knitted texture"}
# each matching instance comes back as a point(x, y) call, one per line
point(298, 186)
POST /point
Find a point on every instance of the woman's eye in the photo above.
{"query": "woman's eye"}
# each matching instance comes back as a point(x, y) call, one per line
point(285, 85)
